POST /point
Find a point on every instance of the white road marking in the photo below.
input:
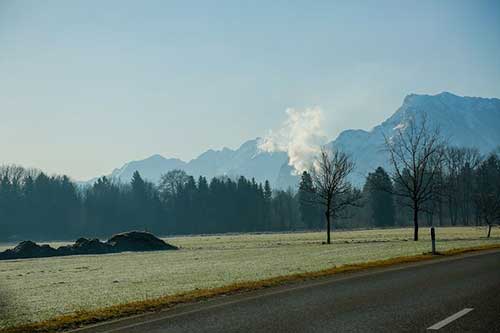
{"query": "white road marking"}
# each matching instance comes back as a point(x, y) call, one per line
point(451, 318)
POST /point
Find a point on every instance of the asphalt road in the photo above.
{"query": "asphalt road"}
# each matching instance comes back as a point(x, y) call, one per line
point(405, 298)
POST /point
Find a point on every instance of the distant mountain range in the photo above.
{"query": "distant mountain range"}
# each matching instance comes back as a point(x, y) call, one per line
point(248, 160)
point(464, 121)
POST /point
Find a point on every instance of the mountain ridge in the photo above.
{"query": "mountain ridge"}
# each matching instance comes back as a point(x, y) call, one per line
point(465, 121)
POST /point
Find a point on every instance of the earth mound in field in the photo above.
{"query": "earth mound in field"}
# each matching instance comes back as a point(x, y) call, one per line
point(28, 249)
point(138, 241)
point(134, 241)
point(85, 246)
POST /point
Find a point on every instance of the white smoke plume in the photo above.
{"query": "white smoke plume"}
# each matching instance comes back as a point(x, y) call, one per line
point(301, 136)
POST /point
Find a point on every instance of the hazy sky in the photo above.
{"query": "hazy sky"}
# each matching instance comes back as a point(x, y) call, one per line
point(88, 85)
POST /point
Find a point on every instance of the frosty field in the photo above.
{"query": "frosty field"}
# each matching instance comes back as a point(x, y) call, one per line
point(37, 289)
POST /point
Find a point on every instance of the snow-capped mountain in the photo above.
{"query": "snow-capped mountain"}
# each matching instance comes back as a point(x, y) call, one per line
point(464, 121)
point(248, 160)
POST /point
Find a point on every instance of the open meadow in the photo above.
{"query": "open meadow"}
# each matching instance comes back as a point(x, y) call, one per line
point(38, 289)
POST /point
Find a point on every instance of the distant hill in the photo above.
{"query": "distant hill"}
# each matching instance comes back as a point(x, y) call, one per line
point(465, 121)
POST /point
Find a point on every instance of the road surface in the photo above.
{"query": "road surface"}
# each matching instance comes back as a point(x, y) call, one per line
point(453, 294)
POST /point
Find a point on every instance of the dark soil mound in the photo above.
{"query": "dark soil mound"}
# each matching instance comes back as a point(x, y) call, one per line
point(85, 246)
point(91, 246)
point(28, 249)
point(138, 241)
point(127, 241)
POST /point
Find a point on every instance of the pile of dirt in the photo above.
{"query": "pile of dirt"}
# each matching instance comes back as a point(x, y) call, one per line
point(85, 246)
point(28, 249)
point(138, 241)
point(134, 241)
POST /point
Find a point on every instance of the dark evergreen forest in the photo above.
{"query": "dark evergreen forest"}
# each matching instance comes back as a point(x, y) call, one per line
point(34, 205)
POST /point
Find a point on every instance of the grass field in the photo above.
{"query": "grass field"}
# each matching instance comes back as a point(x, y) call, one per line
point(39, 289)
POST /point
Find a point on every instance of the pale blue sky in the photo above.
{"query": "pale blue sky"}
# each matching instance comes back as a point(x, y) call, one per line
point(88, 85)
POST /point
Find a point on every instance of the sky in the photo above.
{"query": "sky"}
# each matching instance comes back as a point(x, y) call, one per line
point(86, 86)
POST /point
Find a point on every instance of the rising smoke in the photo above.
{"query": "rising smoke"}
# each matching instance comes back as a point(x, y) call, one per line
point(301, 136)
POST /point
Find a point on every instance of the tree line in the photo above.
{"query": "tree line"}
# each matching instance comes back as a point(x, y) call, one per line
point(37, 206)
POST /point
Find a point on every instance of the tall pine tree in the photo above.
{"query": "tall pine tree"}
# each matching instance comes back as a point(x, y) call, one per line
point(309, 211)
point(377, 190)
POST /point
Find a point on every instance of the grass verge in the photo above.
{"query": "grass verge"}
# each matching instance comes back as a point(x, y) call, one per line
point(81, 318)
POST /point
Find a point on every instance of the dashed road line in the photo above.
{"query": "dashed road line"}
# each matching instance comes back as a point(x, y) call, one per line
point(451, 318)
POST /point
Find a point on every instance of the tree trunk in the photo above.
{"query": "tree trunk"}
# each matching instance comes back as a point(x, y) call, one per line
point(489, 230)
point(415, 224)
point(328, 227)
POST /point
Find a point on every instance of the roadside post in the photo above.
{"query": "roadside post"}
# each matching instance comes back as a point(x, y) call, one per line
point(433, 239)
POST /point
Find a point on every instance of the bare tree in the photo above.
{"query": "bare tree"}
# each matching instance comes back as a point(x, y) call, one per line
point(459, 166)
point(170, 183)
point(13, 173)
point(416, 154)
point(332, 190)
point(487, 191)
